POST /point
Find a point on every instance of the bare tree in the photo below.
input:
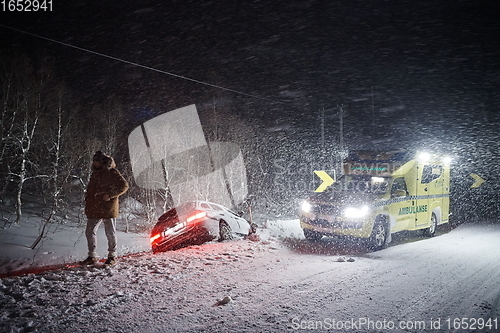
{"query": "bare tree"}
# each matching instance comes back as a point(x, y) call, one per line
point(24, 143)
point(45, 139)
point(61, 152)
point(27, 107)
point(10, 101)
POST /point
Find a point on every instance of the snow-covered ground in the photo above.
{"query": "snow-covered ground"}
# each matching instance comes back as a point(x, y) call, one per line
point(62, 244)
point(272, 283)
point(66, 243)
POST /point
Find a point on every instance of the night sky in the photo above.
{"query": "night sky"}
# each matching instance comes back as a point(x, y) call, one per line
point(406, 72)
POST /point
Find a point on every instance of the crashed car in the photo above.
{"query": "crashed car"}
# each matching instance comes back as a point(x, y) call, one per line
point(196, 222)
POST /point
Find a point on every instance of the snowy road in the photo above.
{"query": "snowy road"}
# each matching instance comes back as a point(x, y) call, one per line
point(274, 286)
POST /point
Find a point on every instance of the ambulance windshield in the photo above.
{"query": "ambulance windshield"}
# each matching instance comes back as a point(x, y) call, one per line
point(361, 183)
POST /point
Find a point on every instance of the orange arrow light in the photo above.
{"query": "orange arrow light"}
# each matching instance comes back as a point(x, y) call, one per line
point(327, 180)
point(477, 180)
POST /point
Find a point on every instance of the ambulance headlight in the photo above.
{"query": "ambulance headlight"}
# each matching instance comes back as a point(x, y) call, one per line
point(356, 212)
point(446, 160)
point(305, 206)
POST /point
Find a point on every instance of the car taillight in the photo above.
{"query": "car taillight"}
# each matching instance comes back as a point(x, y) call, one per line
point(155, 237)
point(196, 216)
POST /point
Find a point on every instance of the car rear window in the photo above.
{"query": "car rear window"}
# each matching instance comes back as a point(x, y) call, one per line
point(169, 218)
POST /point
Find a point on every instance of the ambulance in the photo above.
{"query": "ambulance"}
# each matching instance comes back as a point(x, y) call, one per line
point(381, 193)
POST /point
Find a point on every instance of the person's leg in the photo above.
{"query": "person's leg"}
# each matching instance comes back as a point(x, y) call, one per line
point(110, 228)
point(90, 233)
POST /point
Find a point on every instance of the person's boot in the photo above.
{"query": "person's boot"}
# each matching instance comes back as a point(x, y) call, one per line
point(89, 261)
point(111, 261)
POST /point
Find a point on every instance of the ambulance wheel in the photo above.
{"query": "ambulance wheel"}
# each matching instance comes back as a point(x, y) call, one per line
point(431, 231)
point(312, 235)
point(380, 235)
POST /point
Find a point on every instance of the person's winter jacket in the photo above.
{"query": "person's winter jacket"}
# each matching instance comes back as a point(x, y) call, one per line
point(104, 181)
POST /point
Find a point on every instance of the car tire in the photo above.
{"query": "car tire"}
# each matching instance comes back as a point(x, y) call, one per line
point(225, 232)
point(431, 231)
point(380, 235)
point(312, 235)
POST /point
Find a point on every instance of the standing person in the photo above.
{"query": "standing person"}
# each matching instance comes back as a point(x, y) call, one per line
point(101, 204)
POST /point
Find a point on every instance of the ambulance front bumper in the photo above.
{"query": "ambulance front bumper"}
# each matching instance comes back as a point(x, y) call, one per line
point(329, 225)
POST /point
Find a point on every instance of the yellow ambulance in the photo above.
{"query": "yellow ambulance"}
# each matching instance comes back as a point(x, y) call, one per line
point(381, 193)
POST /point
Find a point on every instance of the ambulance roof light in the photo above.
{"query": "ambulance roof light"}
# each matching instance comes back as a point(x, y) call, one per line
point(424, 157)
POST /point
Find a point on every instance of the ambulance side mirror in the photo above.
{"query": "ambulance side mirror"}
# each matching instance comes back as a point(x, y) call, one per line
point(399, 193)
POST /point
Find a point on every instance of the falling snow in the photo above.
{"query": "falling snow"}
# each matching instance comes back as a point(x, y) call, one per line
point(273, 281)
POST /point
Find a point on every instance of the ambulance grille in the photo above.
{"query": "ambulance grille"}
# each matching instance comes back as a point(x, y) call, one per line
point(326, 209)
point(321, 223)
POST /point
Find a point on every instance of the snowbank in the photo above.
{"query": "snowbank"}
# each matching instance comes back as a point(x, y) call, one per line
point(66, 243)
point(62, 244)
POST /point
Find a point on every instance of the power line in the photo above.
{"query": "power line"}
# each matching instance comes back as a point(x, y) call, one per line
point(143, 66)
